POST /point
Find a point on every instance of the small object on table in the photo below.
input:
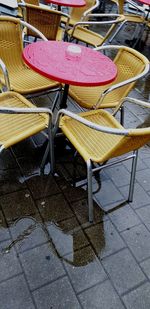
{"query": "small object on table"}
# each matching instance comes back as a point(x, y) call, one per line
point(69, 3)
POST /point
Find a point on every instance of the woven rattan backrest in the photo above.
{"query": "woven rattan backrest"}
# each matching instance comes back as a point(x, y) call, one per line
point(76, 13)
point(129, 64)
point(47, 21)
point(10, 42)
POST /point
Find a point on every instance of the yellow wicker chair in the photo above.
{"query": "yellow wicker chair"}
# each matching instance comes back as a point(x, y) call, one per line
point(79, 14)
point(131, 66)
point(139, 19)
point(20, 77)
point(98, 136)
point(45, 20)
point(80, 32)
point(20, 119)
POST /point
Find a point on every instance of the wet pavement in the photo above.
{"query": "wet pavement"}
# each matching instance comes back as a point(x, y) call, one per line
point(50, 255)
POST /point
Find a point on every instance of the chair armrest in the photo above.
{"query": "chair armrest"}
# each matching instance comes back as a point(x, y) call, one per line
point(5, 73)
point(90, 10)
point(28, 110)
point(88, 123)
point(130, 100)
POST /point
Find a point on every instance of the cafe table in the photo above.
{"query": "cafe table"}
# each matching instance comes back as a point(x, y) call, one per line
point(69, 64)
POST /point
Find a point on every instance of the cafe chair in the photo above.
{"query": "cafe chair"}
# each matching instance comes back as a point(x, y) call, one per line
point(80, 14)
point(80, 32)
point(98, 137)
point(20, 119)
point(131, 66)
point(18, 76)
point(138, 17)
point(46, 20)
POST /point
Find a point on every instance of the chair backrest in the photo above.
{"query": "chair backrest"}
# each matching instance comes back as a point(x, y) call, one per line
point(34, 2)
point(130, 63)
point(47, 21)
point(77, 13)
point(11, 42)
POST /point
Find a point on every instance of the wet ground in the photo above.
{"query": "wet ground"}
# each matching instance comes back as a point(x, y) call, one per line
point(50, 256)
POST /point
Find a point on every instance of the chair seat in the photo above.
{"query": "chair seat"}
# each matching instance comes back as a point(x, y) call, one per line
point(87, 36)
point(16, 127)
point(91, 144)
point(24, 80)
point(134, 18)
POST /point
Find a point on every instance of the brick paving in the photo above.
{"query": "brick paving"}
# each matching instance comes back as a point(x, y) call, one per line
point(50, 256)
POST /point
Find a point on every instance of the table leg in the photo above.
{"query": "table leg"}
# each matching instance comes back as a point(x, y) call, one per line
point(63, 103)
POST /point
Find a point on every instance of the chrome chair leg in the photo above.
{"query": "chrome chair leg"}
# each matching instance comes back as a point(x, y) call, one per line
point(132, 179)
point(90, 199)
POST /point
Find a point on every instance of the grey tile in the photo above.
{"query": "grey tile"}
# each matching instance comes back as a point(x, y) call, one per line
point(41, 266)
point(108, 194)
point(9, 263)
point(124, 218)
point(104, 238)
point(143, 179)
point(67, 236)
point(146, 267)
point(140, 196)
point(139, 298)
point(101, 296)
point(16, 205)
point(123, 271)
point(42, 185)
point(58, 294)
point(4, 231)
point(84, 269)
point(14, 294)
point(28, 233)
point(119, 175)
point(144, 214)
point(11, 181)
point(137, 239)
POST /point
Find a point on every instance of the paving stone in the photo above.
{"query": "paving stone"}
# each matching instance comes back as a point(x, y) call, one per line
point(9, 263)
point(11, 181)
point(7, 161)
point(86, 270)
point(41, 266)
point(140, 196)
point(67, 236)
point(14, 294)
point(139, 298)
point(4, 231)
point(17, 205)
point(54, 208)
point(58, 294)
point(42, 185)
point(137, 239)
point(104, 198)
point(140, 164)
point(104, 238)
point(146, 267)
point(81, 210)
point(144, 214)
point(124, 218)
point(28, 233)
point(101, 296)
point(116, 172)
point(143, 179)
point(123, 271)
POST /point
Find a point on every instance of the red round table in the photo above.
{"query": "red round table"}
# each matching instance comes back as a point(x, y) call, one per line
point(84, 67)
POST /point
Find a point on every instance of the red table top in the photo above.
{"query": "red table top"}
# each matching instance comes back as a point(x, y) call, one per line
point(145, 1)
point(50, 58)
point(72, 3)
